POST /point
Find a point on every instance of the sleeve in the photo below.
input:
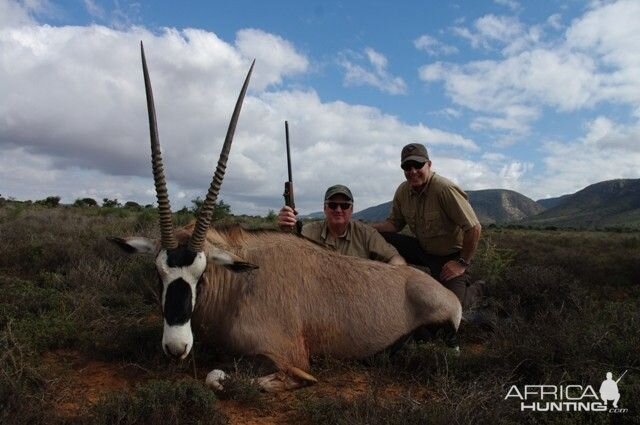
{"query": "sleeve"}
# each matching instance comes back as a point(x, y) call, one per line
point(380, 249)
point(456, 206)
point(396, 216)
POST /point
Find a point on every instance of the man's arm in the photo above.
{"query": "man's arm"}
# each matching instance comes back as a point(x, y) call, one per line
point(385, 226)
point(395, 221)
point(381, 250)
point(470, 242)
point(454, 268)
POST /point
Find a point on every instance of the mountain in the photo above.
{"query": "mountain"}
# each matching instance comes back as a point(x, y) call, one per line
point(552, 202)
point(501, 205)
point(312, 216)
point(612, 203)
point(491, 206)
point(375, 213)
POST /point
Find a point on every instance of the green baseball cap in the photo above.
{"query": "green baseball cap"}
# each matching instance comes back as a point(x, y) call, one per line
point(338, 189)
point(414, 152)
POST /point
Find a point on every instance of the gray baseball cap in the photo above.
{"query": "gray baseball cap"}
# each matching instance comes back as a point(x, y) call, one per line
point(338, 189)
point(414, 152)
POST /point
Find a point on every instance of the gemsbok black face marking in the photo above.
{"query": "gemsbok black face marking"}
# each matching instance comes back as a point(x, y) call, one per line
point(178, 302)
point(180, 257)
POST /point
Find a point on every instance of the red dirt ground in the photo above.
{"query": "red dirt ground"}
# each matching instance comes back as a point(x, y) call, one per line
point(87, 380)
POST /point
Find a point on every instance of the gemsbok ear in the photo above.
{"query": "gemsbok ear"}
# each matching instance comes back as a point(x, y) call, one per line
point(230, 261)
point(136, 245)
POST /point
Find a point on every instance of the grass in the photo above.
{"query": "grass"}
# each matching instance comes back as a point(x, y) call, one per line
point(566, 306)
point(159, 402)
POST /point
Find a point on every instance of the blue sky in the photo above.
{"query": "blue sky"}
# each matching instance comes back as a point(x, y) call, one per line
point(538, 97)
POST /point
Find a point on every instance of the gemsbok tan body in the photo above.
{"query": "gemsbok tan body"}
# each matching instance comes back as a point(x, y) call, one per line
point(275, 294)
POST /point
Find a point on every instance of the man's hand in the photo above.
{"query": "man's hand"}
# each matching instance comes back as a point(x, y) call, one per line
point(451, 270)
point(397, 260)
point(287, 219)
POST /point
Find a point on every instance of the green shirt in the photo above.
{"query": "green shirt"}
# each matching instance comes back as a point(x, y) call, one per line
point(360, 240)
point(438, 215)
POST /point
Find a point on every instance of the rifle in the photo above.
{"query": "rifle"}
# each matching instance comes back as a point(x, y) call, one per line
point(621, 376)
point(288, 185)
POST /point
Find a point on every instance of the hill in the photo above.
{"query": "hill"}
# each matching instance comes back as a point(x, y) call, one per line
point(552, 202)
point(502, 206)
point(375, 213)
point(612, 203)
point(491, 206)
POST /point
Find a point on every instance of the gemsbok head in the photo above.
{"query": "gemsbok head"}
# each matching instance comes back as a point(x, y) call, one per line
point(180, 265)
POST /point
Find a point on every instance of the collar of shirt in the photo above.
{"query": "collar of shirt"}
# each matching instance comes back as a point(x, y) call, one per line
point(325, 232)
point(425, 188)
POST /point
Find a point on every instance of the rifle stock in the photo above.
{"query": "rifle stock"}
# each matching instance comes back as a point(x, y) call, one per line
point(288, 195)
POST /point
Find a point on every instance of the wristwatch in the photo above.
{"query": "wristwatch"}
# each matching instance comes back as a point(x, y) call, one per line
point(463, 262)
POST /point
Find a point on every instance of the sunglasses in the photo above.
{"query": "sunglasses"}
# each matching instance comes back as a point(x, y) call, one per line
point(334, 205)
point(407, 166)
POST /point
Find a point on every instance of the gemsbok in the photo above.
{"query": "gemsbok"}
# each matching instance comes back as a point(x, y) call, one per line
point(275, 294)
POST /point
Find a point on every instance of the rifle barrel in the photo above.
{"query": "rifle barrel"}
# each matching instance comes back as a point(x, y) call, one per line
point(286, 130)
point(621, 376)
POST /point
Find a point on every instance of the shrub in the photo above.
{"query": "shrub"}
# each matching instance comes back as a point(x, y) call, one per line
point(133, 206)
point(271, 216)
point(49, 201)
point(220, 209)
point(22, 386)
point(110, 203)
point(85, 202)
point(160, 402)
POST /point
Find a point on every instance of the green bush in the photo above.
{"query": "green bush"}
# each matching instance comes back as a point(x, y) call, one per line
point(49, 201)
point(85, 202)
point(110, 203)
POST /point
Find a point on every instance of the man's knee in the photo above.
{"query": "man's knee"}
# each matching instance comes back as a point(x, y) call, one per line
point(468, 292)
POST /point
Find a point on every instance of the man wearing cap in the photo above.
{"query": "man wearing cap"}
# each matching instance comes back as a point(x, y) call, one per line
point(445, 226)
point(338, 233)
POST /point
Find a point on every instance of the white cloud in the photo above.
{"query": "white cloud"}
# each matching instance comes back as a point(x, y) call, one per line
point(608, 150)
point(450, 113)
point(465, 33)
point(16, 13)
point(501, 173)
point(73, 119)
point(94, 9)
point(494, 157)
point(378, 60)
point(433, 72)
point(490, 29)
point(500, 28)
point(515, 121)
point(603, 133)
point(596, 61)
point(555, 21)
point(431, 45)
point(278, 58)
point(566, 81)
point(511, 4)
point(378, 77)
point(610, 35)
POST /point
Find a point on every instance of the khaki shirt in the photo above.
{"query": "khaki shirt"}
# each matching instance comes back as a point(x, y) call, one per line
point(360, 240)
point(438, 215)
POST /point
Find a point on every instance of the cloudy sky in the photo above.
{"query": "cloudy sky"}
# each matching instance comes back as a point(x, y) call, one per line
point(538, 97)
